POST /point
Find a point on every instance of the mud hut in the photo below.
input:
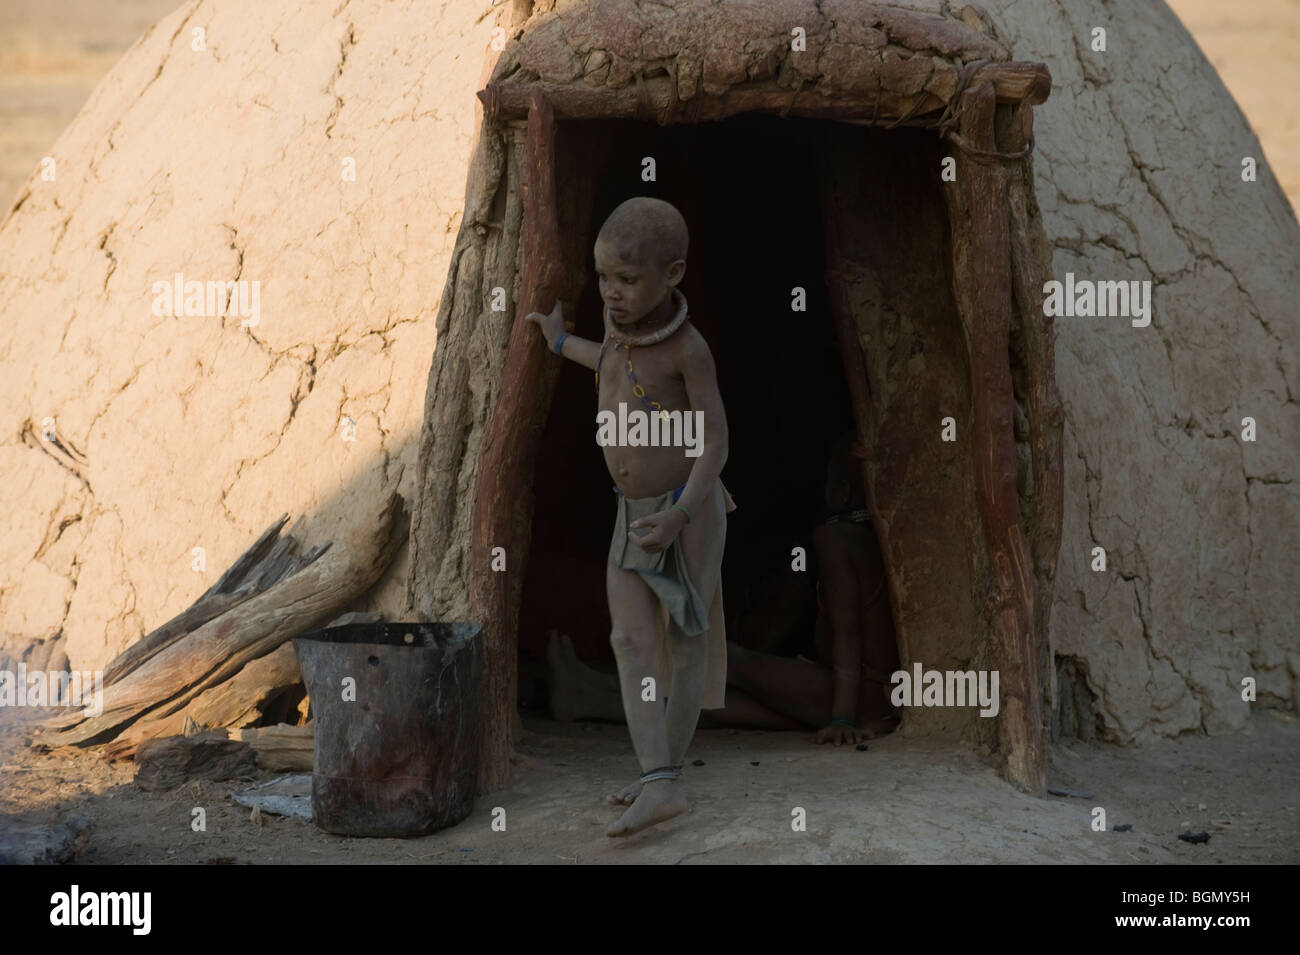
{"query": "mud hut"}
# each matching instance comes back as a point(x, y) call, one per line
point(925, 285)
point(361, 181)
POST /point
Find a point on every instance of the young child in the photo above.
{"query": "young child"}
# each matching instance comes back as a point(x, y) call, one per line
point(665, 557)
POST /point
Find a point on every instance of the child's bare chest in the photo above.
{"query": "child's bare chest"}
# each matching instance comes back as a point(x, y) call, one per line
point(653, 381)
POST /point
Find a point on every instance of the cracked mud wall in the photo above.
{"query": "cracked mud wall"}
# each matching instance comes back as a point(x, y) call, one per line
point(192, 431)
point(1138, 166)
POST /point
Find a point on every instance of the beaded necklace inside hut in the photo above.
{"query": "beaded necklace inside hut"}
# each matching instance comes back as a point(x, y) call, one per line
point(620, 339)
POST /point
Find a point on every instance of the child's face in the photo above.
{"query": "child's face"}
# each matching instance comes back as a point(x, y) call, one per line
point(630, 284)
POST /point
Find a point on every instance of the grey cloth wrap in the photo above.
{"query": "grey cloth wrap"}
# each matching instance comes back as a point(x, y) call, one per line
point(664, 572)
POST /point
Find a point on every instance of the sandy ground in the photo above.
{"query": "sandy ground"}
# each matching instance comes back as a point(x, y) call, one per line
point(52, 55)
point(901, 801)
point(904, 800)
point(1253, 44)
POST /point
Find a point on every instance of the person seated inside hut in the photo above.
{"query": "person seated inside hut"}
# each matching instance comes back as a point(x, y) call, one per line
point(844, 694)
point(663, 432)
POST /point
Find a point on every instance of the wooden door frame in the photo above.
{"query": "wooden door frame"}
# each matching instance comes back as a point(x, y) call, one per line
point(981, 222)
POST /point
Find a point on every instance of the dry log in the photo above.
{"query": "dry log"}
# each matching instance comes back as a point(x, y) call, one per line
point(256, 570)
point(239, 701)
point(168, 762)
point(216, 651)
point(207, 607)
point(280, 748)
point(983, 287)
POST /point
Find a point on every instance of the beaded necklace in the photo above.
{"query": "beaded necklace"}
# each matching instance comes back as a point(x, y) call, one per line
point(653, 338)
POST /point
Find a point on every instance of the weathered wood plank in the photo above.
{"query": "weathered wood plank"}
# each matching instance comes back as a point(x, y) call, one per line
point(231, 588)
point(1031, 266)
point(983, 285)
point(237, 702)
point(281, 748)
point(168, 762)
point(509, 449)
point(217, 650)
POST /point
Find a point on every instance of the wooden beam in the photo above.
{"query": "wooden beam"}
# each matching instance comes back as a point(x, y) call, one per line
point(269, 560)
point(983, 287)
point(509, 450)
point(656, 96)
point(237, 702)
point(1031, 266)
point(281, 748)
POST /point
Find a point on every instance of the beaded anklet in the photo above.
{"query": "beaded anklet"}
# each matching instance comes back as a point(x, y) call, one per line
point(663, 772)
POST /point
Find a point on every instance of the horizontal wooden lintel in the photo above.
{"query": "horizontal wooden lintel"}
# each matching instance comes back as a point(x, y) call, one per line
point(655, 98)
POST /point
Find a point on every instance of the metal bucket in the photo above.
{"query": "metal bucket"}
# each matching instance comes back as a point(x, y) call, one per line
point(396, 707)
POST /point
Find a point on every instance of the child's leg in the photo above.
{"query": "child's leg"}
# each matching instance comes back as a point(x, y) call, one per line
point(634, 612)
point(702, 544)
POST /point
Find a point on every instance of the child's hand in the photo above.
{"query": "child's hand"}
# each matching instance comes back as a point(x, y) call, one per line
point(549, 325)
point(664, 528)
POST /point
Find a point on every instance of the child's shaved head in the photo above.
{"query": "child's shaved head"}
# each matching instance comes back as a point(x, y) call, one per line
point(646, 229)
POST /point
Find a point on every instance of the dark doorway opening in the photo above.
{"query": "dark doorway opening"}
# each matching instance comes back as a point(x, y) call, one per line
point(748, 188)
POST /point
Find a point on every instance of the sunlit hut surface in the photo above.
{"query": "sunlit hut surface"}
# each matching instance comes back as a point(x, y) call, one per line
point(188, 431)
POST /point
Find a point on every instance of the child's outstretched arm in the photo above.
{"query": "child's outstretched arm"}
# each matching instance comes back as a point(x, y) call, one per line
point(582, 350)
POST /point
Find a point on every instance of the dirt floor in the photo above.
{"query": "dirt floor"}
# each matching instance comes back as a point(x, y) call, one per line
point(901, 801)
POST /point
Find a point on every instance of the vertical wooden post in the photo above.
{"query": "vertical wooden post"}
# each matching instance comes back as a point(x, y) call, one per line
point(983, 288)
point(1031, 266)
point(509, 450)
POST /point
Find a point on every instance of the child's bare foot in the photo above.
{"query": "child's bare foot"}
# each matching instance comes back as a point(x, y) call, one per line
point(625, 796)
point(659, 801)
